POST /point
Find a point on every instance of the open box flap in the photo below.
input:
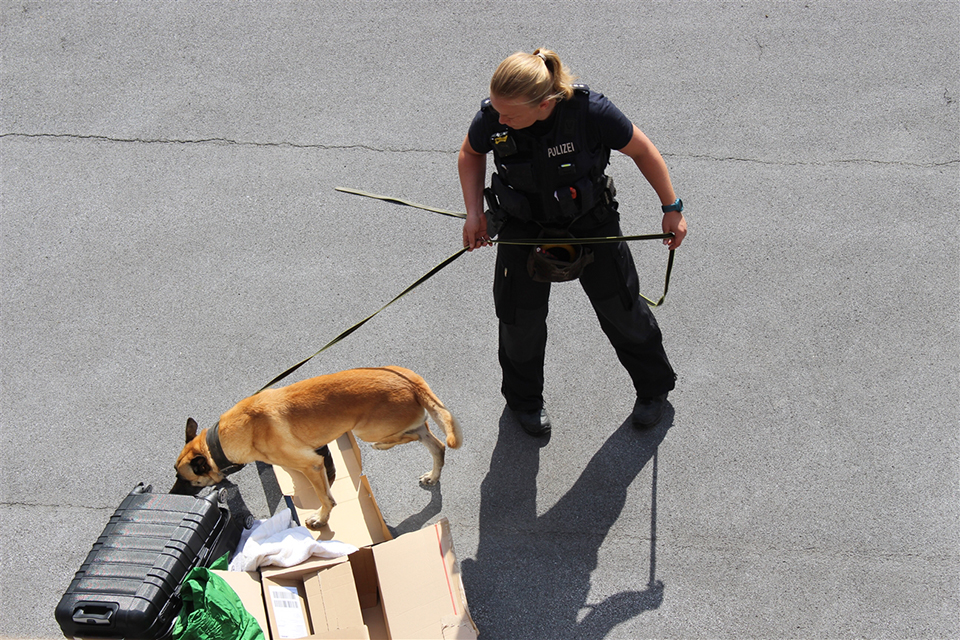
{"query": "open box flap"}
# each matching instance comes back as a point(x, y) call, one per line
point(420, 586)
point(356, 519)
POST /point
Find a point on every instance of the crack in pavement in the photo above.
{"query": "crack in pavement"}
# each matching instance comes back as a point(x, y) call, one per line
point(299, 145)
point(190, 141)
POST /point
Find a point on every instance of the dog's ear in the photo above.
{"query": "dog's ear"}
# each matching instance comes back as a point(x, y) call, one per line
point(200, 466)
point(191, 429)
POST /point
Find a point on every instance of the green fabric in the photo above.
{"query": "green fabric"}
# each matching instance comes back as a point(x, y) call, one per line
point(212, 610)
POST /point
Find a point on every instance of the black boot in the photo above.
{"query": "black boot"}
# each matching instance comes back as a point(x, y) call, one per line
point(647, 412)
point(536, 422)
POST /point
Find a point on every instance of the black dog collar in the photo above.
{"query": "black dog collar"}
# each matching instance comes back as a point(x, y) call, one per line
point(216, 452)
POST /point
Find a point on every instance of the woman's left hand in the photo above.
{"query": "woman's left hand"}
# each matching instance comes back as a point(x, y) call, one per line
point(674, 223)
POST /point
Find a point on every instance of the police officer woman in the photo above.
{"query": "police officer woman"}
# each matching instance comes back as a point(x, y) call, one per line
point(551, 141)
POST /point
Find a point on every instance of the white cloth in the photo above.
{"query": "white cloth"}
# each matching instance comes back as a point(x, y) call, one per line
point(274, 542)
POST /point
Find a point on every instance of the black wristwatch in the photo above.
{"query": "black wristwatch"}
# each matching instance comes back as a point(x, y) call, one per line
point(676, 206)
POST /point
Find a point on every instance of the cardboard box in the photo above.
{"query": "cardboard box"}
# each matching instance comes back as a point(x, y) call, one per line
point(356, 518)
point(248, 587)
point(315, 598)
point(389, 589)
point(420, 587)
point(409, 587)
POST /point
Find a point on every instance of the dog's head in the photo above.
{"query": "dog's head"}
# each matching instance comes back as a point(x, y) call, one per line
point(195, 467)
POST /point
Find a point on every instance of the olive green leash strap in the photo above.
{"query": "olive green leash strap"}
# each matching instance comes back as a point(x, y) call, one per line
point(346, 333)
point(455, 214)
point(406, 203)
point(666, 283)
point(652, 236)
point(565, 240)
point(456, 255)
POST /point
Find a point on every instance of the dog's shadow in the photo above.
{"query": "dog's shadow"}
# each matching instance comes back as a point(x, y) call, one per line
point(418, 520)
point(531, 575)
point(275, 500)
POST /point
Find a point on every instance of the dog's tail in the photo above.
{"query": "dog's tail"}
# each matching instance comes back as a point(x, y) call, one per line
point(440, 414)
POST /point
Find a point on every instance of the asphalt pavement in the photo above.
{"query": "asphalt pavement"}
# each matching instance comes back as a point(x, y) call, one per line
point(171, 239)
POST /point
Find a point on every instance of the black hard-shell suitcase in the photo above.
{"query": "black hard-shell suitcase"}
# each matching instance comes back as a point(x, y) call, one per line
point(129, 585)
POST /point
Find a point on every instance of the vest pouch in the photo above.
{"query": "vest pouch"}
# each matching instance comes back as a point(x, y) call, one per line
point(586, 193)
point(593, 204)
point(610, 191)
point(511, 201)
point(504, 144)
point(568, 200)
point(495, 214)
point(519, 175)
point(584, 196)
point(567, 171)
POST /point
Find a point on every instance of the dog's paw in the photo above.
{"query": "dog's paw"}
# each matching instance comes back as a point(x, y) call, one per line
point(429, 479)
point(316, 522)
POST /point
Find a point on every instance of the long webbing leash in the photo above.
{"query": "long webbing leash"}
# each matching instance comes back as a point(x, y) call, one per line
point(652, 236)
point(457, 214)
point(457, 254)
point(346, 333)
point(406, 203)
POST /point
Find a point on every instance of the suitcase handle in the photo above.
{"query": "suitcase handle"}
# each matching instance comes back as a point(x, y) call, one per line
point(94, 614)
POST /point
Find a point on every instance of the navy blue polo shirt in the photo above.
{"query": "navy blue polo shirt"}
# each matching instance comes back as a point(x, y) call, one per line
point(607, 126)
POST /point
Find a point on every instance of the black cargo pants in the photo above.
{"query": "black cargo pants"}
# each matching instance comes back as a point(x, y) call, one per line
point(610, 283)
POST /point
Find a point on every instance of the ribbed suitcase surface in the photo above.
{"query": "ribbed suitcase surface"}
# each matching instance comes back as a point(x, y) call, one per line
point(129, 585)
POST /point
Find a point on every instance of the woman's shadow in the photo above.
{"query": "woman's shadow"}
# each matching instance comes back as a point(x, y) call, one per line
point(531, 575)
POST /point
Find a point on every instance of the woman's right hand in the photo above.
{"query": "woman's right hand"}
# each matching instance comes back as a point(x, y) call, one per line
point(475, 231)
point(472, 167)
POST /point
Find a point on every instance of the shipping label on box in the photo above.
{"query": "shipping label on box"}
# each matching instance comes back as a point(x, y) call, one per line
point(315, 598)
point(286, 606)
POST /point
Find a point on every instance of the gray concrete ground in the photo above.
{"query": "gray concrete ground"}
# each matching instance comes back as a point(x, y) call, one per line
point(171, 240)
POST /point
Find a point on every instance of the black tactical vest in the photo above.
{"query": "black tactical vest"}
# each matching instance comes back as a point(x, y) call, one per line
point(553, 178)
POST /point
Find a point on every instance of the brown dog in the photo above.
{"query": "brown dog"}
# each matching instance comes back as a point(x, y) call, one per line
point(289, 426)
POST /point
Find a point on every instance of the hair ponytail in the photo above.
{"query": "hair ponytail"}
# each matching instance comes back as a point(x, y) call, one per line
point(533, 77)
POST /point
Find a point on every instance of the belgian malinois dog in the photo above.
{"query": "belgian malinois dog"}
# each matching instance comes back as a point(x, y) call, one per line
point(292, 425)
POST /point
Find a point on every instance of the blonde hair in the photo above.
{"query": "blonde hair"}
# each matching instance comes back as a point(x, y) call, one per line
point(532, 77)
